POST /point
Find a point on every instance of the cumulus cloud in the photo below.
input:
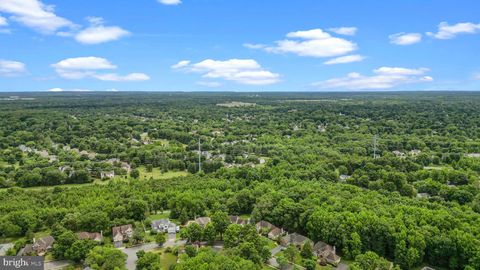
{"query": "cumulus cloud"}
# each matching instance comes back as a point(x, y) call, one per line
point(3, 21)
point(57, 89)
point(88, 67)
point(98, 33)
point(405, 38)
point(347, 31)
point(132, 77)
point(243, 71)
point(254, 46)
point(447, 31)
point(312, 43)
point(345, 59)
point(170, 2)
point(11, 68)
point(383, 78)
point(35, 14)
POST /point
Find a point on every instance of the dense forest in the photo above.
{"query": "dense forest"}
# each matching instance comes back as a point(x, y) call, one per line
point(392, 175)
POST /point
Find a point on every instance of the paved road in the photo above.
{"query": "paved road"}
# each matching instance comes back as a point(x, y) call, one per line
point(132, 254)
point(273, 261)
point(55, 265)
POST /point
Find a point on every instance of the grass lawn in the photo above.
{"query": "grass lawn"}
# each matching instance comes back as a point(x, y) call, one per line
point(168, 259)
point(157, 174)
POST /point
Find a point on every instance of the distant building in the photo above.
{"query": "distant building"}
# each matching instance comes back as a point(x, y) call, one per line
point(326, 253)
point(39, 247)
point(202, 221)
point(295, 239)
point(97, 237)
point(121, 234)
point(164, 225)
point(238, 220)
point(263, 225)
point(107, 174)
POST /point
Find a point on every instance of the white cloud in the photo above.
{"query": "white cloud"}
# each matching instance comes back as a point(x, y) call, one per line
point(57, 89)
point(405, 38)
point(347, 31)
point(170, 2)
point(132, 77)
point(209, 84)
point(345, 59)
point(88, 67)
point(446, 31)
point(181, 64)
point(254, 46)
point(98, 33)
point(476, 76)
point(11, 68)
point(383, 78)
point(35, 14)
point(3, 21)
point(84, 63)
point(243, 71)
point(313, 43)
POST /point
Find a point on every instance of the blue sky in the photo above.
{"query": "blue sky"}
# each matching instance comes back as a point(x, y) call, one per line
point(240, 45)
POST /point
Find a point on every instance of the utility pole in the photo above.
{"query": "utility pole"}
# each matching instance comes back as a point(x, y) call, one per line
point(199, 156)
point(375, 146)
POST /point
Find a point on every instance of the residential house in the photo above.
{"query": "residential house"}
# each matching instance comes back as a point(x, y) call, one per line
point(121, 234)
point(97, 237)
point(160, 225)
point(295, 239)
point(344, 177)
point(164, 225)
point(39, 247)
point(239, 220)
point(264, 226)
point(326, 253)
point(107, 174)
point(202, 221)
point(173, 228)
point(415, 152)
point(423, 195)
point(275, 233)
point(398, 154)
point(427, 268)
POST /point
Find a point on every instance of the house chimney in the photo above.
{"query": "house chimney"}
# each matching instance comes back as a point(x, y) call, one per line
point(101, 233)
point(334, 250)
point(33, 240)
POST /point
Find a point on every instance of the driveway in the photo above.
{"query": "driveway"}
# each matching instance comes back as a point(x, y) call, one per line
point(132, 252)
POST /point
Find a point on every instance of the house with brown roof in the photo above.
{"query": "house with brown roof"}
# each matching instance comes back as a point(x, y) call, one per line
point(326, 253)
point(202, 221)
point(238, 220)
point(264, 226)
point(122, 233)
point(275, 233)
point(295, 239)
point(97, 237)
point(39, 247)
